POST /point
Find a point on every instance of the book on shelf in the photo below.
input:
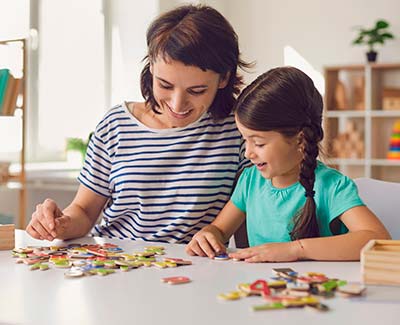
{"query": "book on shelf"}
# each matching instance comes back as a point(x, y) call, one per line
point(10, 99)
point(4, 75)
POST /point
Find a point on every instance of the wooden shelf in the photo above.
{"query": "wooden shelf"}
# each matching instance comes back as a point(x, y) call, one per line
point(362, 162)
point(18, 181)
point(363, 134)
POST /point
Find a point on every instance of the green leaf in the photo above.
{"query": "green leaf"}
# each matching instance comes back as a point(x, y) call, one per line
point(387, 35)
point(380, 24)
point(358, 40)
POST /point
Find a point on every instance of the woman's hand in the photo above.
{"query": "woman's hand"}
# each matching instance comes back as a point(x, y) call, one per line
point(48, 222)
point(273, 252)
point(207, 242)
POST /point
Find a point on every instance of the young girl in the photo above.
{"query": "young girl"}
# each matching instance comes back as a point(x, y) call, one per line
point(295, 206)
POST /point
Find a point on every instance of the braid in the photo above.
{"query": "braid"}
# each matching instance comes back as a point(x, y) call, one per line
point(305, 222)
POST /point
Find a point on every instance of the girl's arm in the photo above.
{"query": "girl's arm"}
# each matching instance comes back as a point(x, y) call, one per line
point(363, 225)
point(210, 240)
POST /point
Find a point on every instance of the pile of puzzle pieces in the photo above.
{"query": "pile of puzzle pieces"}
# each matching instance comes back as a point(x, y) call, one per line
point(80, 260)
point(288, 289)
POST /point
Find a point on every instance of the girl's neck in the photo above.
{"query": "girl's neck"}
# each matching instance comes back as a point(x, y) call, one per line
point(286, 180)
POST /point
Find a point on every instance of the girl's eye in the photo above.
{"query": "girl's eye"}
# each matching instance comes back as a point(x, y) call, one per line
point(259, 145)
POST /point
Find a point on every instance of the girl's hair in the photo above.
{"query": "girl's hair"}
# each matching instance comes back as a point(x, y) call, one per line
point(285, 100)
point(196, 36)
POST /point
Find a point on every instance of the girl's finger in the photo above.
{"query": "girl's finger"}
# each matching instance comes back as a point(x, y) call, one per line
point(216, 245)
point(196, 249)
point(206, 247)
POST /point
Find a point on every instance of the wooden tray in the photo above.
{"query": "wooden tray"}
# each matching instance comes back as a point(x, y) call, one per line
point(380, 262)
point(7, 237)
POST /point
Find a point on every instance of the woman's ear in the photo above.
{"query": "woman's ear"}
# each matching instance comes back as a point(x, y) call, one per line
point(223, 82)
point(151, 68)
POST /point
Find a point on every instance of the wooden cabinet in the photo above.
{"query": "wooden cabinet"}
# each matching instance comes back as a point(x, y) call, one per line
point(15, 117)
point(362, 106)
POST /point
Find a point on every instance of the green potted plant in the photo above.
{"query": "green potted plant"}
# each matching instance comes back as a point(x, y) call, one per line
point(370, 37)
point(78, 145)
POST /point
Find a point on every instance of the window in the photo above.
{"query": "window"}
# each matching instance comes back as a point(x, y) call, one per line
point(70, 76)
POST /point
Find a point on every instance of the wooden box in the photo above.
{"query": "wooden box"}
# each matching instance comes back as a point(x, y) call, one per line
point(7, 237)
point(391, 99)
point(380, 262)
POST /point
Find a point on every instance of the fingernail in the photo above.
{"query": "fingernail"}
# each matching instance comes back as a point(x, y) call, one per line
point(51, 225)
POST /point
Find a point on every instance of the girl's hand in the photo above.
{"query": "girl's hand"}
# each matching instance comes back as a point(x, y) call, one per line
point(207, 242)
point(273, 252)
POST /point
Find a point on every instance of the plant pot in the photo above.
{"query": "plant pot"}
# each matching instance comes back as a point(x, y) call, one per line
point(371, 56)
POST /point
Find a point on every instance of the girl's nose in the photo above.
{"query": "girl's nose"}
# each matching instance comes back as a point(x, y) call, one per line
point(249, 153)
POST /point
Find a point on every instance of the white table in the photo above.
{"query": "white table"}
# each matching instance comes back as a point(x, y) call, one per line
point(139, 297)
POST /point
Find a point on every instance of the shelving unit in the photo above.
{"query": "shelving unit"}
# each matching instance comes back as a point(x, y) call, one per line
point(17, 180)
point(357, 120)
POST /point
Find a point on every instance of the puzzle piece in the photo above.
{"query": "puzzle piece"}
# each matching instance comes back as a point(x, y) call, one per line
point(176, 280)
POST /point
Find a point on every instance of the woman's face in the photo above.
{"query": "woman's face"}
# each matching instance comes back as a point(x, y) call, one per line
point(183, 92)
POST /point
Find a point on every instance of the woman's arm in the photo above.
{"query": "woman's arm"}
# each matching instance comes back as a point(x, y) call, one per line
point(83, 211)
point(49, 222)
point(363, 225)
point(211, 238)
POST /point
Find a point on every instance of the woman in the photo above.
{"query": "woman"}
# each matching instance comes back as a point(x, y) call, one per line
point(161, 170)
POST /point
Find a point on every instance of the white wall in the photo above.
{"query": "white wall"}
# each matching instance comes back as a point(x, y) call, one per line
point(14, 19)
point(129, 21)
point(320, 31)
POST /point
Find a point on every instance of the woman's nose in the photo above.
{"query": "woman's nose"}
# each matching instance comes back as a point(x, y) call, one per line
point(178, 102)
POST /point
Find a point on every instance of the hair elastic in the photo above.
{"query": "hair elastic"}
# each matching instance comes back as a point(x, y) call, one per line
point(310, 193)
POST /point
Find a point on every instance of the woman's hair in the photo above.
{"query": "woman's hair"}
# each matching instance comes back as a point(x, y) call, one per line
point(196, 36)
point(285, 100)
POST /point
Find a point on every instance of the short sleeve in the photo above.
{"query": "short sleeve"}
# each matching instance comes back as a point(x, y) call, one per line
point(239, 196)
point(96, 169)
point(344, 197)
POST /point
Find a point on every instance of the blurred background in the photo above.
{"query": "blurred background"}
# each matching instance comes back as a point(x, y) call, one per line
point(69, 61)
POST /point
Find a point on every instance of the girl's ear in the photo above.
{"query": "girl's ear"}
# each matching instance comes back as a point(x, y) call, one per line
point(224, 81)
point(151, 68)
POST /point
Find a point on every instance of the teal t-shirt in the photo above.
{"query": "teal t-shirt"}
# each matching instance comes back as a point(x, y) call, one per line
point(270, 210)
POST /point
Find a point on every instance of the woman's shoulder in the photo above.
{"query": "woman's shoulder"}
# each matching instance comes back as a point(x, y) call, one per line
point(113, 119)
point(115, 111)
point(208, 120)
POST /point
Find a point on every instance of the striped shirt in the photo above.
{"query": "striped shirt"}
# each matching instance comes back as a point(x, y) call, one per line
point(161, 184)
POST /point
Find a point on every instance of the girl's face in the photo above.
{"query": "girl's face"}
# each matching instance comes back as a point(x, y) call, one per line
point(276, 157)
point(183, 92)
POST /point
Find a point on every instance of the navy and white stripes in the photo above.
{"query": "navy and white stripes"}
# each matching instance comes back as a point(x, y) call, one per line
point(162, 185)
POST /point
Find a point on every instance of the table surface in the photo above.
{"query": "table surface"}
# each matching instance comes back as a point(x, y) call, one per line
point(139, 297)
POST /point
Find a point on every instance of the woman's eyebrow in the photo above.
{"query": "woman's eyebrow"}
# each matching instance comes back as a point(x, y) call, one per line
point(194, 86)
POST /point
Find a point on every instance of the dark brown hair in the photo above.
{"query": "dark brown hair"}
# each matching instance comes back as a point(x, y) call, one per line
point(196, 36)
point(285, 100)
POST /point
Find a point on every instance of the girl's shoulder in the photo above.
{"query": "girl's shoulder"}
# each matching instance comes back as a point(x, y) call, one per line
point(329, 178)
